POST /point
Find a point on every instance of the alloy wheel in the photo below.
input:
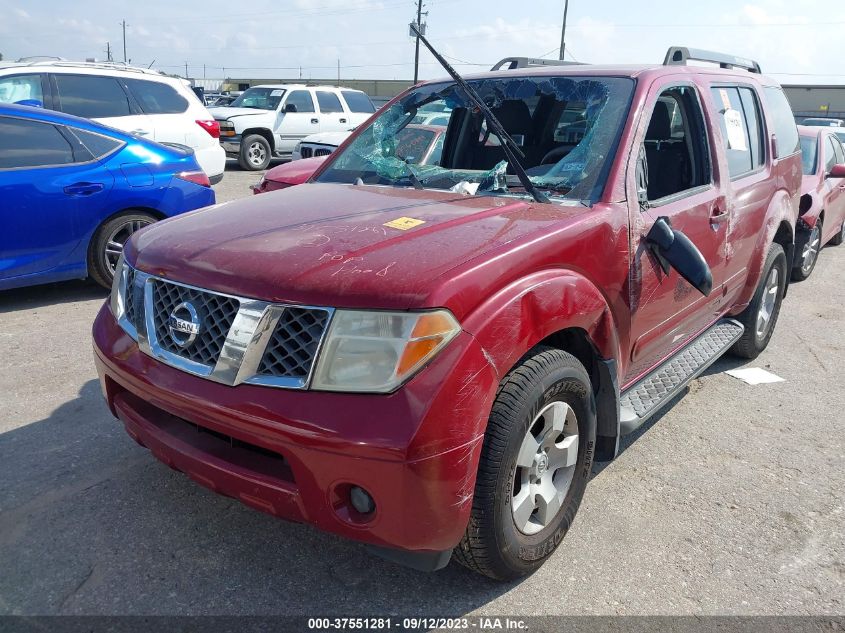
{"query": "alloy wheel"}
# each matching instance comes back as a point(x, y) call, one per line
point(811, 250)
point(767, 305)
point(545, 466)
point(117, 239)
point(256, 154)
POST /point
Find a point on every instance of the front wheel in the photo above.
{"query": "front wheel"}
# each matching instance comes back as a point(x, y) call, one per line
point(809, 254)
point(761, 315)
point(255, 153)
point(535, 463)
point(107, 244)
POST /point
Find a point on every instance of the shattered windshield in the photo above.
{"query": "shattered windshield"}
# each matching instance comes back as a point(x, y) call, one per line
point(567, 128)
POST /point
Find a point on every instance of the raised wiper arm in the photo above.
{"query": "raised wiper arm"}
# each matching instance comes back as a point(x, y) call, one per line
point(509, 146)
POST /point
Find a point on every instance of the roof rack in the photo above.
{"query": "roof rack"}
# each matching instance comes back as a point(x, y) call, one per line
point(680, 55)
point(512, 63)
point(105, 65)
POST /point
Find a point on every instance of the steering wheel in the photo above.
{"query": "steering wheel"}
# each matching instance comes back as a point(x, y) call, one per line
point(555, 154)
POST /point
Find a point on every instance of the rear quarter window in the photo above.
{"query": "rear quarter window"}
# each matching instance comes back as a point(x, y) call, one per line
point(783, 123)
point(155, 97)
point(97, 144)
point(358, 101)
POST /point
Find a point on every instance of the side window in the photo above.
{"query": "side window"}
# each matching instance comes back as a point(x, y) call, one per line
point(830, 158)
point(783, 123)
point(26, 143)
point(840, 151)
point(358, 101)
point(155, 97)
point(676, 154)
point(328, 102)
point(302, 100)
point(20, 88)
point(91, 97)
point(754, 124)
point(735, 137)
point(97, 144)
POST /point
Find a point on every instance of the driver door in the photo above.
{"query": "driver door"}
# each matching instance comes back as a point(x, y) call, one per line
point(670, 175)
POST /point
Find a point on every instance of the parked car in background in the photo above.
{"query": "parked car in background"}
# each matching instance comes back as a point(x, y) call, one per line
point(823, 122)
point(429, 358)
point(267, 121)
point(421, 144)
point(73, 191)
point(136, 100)
point(822, 210)
point(226, 98)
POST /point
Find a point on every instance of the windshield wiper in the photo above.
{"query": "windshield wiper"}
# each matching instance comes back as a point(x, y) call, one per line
point(509, 146)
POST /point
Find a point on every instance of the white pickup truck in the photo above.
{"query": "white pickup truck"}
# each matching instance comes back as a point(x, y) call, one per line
point(268, 121)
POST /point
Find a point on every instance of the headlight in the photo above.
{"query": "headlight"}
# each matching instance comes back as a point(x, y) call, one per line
point(118, 286)
point(227, 128)
point(298, 147)
point(378, 351)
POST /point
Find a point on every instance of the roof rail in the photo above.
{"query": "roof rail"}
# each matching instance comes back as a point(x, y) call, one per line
point(680, 55)
point(105, 65)
point(512, 63)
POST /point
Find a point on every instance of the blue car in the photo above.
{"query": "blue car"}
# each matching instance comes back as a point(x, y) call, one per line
point(73, 191)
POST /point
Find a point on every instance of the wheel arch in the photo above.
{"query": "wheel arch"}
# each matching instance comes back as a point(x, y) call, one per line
point(90, 238)
point(261, 131)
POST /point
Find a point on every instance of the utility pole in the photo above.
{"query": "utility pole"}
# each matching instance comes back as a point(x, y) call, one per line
point(123, 23)
point(203, 71)
point(417, 47)
point(338, 72)
point(563, 30)
point(108, 51)
point(186, 70)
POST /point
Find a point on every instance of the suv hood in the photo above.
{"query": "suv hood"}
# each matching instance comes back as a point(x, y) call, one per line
point(221, 113)
point(329, 245)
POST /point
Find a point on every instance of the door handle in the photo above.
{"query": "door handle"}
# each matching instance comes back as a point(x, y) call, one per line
point(343, 120)
point(717, 216)
point(83, 188)
point(315, 120)
point(140, 132)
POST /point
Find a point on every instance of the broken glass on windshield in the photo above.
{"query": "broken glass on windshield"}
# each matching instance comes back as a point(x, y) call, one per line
point(567, 128)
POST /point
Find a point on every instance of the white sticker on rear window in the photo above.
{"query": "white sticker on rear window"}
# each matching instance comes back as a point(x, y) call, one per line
point(736, 132)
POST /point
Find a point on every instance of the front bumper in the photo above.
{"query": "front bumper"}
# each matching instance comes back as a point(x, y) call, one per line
point(295, 454)
point(231, 145)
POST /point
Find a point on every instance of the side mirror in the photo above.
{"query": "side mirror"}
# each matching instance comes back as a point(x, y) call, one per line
point(673, 248)
point(290, 107)
point(837, 171)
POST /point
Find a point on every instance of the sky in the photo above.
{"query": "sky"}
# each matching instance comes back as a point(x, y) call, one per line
point(797, 42)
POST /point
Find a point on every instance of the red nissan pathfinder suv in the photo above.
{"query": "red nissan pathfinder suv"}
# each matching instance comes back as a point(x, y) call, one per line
point(429, 358)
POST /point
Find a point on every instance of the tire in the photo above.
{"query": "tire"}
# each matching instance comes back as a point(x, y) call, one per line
point(107, 244)
point(755, 339)
point(255, 153)
point(548, 384)
point(837, 239)
point(806, 261)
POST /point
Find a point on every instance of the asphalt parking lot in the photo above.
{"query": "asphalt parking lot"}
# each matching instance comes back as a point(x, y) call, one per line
point(730, 502)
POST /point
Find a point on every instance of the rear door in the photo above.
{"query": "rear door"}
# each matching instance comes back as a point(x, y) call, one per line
point(166, 111)
point(333, 116)
point(298, 119)
point(674, 161)
point(103, 99)
point(359, 106)
point(46, 177)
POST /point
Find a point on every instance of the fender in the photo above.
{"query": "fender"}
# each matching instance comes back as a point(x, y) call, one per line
point(782, 208)
point(541, 304)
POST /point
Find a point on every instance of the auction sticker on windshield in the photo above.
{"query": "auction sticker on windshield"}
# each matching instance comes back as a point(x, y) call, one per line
point(403, 224)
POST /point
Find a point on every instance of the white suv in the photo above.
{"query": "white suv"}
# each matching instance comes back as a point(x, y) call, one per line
point(137, 100)
point(268, 121)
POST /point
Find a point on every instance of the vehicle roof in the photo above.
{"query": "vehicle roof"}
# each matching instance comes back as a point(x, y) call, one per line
point(322, 86)
point(67, 65)
point(635, 71)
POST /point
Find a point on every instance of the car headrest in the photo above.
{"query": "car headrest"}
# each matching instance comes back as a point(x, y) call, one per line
point(514, 116)
point(660, 127)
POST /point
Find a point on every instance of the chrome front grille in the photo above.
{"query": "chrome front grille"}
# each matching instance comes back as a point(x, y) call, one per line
point(236, 339)
point(293, 347)
point(216, 314)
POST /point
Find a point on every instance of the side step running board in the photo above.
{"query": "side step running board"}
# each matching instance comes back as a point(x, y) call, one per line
point(645, 398)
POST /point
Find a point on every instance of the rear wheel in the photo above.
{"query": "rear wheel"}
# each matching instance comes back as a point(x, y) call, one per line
point(255, 153)
point(839, 237)
point(761, 315)
point(809, 254)
point(107, 244)
point(535, 464)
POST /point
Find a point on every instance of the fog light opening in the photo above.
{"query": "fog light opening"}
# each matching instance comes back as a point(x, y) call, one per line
point(361, 500)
